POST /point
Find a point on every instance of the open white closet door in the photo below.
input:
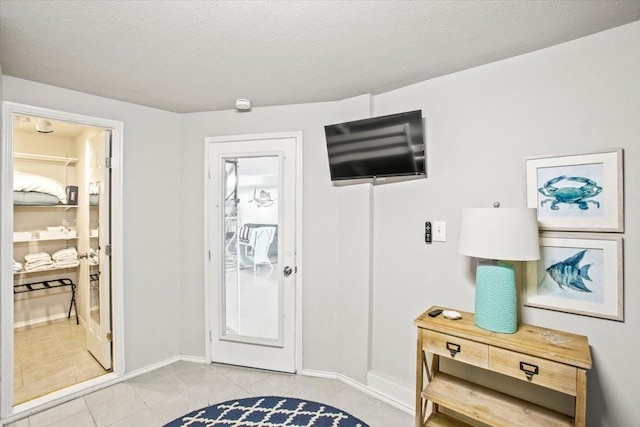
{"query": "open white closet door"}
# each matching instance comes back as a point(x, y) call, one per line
point(98, 257)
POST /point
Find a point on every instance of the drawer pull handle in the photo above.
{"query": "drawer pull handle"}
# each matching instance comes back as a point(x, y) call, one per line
point(453, 348)
point(529, 370)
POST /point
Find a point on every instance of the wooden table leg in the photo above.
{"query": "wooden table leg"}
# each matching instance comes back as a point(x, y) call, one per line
point(420, 409)
point(581, 399)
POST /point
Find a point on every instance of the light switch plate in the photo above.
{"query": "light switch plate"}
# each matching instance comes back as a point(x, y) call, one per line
point(439, 231)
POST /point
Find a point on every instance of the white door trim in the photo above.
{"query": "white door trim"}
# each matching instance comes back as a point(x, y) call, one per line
point(6, 241)
point(298, 243)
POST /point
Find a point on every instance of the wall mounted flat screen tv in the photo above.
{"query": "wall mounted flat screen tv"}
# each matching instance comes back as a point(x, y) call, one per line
point(385, 146)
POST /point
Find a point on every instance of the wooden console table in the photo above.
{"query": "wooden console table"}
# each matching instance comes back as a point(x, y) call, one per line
point(551, 359)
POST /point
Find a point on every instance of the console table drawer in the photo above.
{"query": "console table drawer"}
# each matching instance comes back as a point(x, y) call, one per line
point(455, 348)
point(543, 372)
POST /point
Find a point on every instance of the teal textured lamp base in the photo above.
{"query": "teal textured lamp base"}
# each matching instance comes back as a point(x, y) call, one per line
point(496, 302)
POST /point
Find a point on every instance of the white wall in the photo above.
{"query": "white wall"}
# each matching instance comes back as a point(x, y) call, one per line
point(151, 213)
point(572, 98)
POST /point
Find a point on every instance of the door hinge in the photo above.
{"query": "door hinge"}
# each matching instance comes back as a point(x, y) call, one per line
point(209, 173)
point(210, 336)
point(109, 336)
point(107, 250)
point(107, 162)
point(209, 255)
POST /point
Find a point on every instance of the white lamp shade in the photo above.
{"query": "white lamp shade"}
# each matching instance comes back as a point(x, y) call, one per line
point(509, 234)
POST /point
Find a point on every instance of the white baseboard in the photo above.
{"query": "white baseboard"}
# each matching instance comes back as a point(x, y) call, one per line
point(40, 320)
point(149, 368)
point(394, 394)
point(194, 359)
point(399, 393)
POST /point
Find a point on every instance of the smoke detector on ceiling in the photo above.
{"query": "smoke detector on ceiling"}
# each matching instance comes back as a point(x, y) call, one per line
point(44, 126)
point(243, 104)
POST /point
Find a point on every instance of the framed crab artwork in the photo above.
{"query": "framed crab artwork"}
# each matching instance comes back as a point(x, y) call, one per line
point(577, 273)
point(577, 192)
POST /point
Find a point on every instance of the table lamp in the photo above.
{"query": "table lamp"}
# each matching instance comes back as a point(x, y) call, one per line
point(496, 235)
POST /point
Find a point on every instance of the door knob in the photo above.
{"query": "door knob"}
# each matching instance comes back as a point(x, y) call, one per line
point(287, 271)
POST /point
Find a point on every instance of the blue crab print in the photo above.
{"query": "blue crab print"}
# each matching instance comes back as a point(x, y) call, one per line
point(570, 195)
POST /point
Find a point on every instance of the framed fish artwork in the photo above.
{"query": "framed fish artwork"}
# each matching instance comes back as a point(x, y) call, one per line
point(577, 192)
point(577, 273)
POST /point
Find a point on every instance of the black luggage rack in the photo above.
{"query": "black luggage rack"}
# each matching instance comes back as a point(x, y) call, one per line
point(50, 284)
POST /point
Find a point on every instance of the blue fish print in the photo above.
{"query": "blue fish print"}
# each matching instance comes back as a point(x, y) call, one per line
point(567, 273)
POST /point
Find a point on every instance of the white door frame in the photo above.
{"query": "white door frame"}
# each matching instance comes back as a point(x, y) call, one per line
point(7, 410)
point(209, 334)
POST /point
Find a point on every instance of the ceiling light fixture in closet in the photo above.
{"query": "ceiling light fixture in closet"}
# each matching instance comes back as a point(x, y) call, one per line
point(44, 126)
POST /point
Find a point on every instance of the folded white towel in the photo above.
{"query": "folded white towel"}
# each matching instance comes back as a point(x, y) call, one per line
point(38, 262)
point(38, 256)
point(68, 253)
point(40, 265)
point(16, 266)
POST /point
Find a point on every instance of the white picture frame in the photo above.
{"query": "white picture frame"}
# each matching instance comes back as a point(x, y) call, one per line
point(577, 192)
point(590, 284)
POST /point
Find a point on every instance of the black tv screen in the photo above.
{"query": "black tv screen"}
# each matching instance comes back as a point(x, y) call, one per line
point(384, 146)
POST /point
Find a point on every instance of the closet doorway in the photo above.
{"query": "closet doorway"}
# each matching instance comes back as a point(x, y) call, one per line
point(252, 218)
point(60, 222)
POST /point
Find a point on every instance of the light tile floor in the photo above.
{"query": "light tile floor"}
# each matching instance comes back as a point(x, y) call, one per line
point(50, 357)
point(158, 397)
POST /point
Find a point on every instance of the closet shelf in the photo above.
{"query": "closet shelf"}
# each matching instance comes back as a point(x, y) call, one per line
point(24, 272)
point(43, 158)
point(45, 240)
point(65, 207)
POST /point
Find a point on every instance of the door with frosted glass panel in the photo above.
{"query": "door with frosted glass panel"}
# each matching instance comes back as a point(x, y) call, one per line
point(251, 193)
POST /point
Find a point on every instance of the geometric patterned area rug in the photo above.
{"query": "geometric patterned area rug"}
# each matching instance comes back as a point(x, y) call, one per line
point(269, 411)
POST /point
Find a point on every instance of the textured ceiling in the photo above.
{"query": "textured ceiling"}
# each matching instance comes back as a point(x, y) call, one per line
point(188, 56)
